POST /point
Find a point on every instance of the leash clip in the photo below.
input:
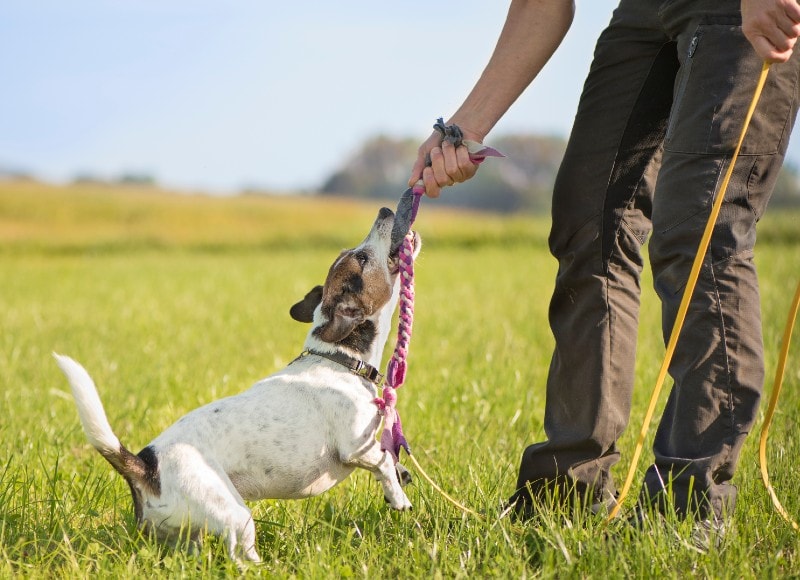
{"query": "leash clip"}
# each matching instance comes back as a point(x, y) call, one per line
point(368, 372)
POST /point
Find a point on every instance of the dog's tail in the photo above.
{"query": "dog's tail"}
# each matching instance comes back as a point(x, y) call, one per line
point(140, 471)
point(93, 416)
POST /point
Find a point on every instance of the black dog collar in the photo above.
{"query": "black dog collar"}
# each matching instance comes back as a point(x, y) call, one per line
point(354, 365)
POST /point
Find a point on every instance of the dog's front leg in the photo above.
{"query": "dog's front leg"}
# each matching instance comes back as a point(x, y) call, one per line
point(382, 467)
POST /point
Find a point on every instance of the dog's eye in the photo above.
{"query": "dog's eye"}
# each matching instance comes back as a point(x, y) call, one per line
point(362, 257)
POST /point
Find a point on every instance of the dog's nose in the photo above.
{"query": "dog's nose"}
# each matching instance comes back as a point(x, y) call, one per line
point(384, 213)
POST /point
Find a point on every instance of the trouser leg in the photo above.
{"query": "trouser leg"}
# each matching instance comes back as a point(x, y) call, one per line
point(601, 209)
point(718, 366)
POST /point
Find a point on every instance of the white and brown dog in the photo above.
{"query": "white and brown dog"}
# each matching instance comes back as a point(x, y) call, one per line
point(292, 435)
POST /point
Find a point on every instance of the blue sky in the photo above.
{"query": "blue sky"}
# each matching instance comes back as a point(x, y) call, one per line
point(217, 96)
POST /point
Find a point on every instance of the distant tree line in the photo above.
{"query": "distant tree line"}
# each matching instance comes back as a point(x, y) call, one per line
point(138, 179)
point(132, 178)
point(520, 182)
point(523, 181)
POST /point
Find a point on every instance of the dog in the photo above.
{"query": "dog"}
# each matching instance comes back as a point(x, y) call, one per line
point(292, 435)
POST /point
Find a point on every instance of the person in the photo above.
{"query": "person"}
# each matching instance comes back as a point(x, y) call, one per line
point(658, 119)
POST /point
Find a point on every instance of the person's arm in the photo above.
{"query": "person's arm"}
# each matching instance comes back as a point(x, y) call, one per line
point(532, 32)
point(772, 27)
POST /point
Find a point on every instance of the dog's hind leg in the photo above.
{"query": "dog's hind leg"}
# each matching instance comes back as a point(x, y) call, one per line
point(381, 465)
point(214, 503)
point(233, 523)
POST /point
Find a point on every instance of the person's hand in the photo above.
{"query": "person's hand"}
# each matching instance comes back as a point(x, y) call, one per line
point(772, 27)
point(449, 165)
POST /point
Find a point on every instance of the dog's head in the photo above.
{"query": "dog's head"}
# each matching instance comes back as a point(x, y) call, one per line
point(358, 286)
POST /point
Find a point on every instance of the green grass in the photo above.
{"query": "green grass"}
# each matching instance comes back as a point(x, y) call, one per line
point(173, 301)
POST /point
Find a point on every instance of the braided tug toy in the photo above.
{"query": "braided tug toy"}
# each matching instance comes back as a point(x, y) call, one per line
point(392, 438)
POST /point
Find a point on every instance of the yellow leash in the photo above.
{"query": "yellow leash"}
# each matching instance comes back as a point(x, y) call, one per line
point(687, 295)
point(427, 478)
point(773, 403)
point(514, 528)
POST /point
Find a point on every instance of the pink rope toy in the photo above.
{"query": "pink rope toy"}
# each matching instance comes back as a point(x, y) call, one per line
point(392, 437)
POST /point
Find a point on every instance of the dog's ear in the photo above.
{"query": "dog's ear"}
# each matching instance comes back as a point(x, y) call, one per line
point(341, 324)
point(303, 311)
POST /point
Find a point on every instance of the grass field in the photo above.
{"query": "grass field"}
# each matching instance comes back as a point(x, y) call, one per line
point(171, 301)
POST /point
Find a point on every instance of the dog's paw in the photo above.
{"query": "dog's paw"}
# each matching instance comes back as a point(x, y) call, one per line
point(403, 475)
point(400, 503)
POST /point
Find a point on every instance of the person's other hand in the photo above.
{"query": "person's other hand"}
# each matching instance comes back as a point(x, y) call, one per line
point(772, 27)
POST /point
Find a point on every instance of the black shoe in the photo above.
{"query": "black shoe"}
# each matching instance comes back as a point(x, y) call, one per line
point(521, 507)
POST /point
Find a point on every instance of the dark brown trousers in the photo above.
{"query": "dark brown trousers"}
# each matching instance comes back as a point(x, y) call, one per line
point(658, 120)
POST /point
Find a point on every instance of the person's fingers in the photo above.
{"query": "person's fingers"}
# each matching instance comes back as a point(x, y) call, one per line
point(438, 167)
point(422, 154)
point(451, 162)
point(768, 51)
point(468, 168)
point(779, 39)
point(432, 188)
point(772, 29)
point(789, 26)
point(416, 171)
point(792, 11)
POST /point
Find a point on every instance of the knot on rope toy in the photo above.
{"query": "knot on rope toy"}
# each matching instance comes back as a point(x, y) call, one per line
point(478, 152)
point(392, 438)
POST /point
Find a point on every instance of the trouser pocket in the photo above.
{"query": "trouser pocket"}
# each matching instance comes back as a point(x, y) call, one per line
point(712, 96)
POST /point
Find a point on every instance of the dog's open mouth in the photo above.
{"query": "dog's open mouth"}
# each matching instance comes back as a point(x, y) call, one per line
point(394, 257)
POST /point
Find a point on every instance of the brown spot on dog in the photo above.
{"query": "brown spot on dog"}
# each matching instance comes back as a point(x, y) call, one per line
point(140, 471)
